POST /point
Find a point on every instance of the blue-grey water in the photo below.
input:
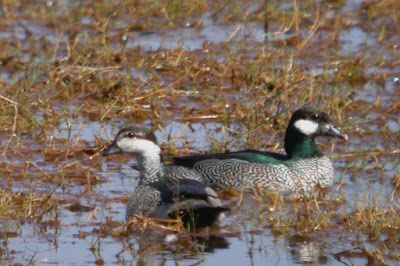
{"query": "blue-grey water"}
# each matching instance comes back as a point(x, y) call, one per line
point(239, 239)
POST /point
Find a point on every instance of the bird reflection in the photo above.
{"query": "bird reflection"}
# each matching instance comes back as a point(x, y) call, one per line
point(155, 249)
point(307, 251)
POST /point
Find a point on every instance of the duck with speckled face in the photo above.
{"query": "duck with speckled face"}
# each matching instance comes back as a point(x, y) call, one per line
point(300, 170)
point(165, 192)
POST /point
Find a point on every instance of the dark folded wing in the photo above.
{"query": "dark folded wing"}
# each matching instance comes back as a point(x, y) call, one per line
point(251, 156)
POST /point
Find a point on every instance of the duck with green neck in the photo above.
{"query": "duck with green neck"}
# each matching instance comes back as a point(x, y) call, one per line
point(302, 168)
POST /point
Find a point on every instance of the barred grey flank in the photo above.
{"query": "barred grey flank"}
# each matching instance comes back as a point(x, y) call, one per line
point(300, 176)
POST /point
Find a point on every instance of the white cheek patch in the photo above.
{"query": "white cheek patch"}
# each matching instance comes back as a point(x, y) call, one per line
point(138, 145)
point(306, 127)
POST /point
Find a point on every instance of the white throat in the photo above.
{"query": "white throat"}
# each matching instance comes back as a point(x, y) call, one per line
point(148, 155)
point(306, 127)
point(143, 146)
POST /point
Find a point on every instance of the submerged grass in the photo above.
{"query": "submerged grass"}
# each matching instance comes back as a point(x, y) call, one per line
point(26, 206)
point(66, 64)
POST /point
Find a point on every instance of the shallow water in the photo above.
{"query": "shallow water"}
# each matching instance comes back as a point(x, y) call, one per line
point(76, 234)
point(101, 184)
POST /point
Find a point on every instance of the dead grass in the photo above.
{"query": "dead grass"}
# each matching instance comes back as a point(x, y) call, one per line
point(30, 206)
point(66, 64)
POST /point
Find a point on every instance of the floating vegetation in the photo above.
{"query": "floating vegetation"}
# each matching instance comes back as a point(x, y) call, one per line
point(206, 77)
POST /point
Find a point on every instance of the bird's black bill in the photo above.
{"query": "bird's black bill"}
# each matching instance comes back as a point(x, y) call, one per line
point(112, 149)
point(334, 131)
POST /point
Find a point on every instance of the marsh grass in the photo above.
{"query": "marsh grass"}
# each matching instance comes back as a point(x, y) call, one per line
point(30, 206)
point(66, 64)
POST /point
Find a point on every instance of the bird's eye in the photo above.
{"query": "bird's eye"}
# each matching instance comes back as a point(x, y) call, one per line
point(315, 116)
point(130, 135)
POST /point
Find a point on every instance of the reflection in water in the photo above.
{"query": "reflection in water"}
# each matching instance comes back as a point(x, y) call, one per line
point(151, 261)
point(155, 248)
point(305, 250)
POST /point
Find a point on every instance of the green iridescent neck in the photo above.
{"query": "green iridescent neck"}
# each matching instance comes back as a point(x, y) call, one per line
point(300, 146)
